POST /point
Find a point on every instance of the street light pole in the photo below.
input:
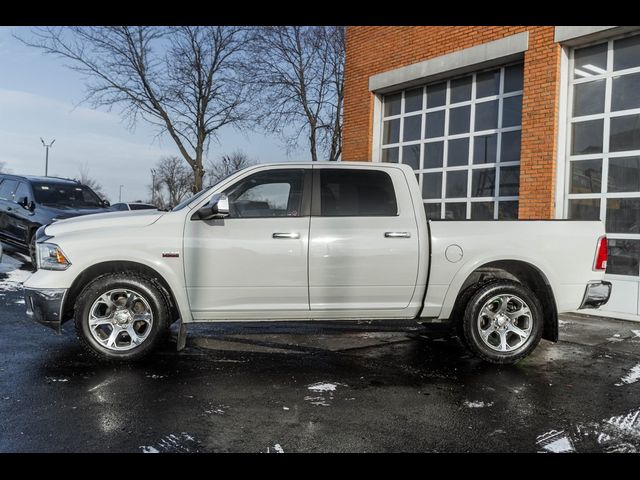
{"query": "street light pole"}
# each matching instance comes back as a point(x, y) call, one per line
point(120, 194)
point(46, 157)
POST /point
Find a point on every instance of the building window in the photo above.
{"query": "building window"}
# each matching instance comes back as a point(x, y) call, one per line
point(462, 137)
point(603, 149)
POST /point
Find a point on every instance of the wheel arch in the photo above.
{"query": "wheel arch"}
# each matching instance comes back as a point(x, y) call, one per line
point(119, 266)
point(522, 272)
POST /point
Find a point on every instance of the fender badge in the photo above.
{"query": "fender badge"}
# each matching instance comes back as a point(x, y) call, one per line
point(170, 254)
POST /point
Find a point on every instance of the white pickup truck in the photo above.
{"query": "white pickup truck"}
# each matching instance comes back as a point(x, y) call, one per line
point(313, 241)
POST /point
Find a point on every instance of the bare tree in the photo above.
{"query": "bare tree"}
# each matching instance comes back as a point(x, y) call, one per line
point(173, 178)
point(86, 179)
point(182, 80)
point(227, 165)
point(298, 75)
point(3, 167)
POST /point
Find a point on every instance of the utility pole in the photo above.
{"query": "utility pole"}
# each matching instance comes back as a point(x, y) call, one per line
point(120, 194)
point(153, 186)
point(46, 158)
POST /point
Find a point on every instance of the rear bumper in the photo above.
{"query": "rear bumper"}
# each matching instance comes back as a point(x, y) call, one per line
point(596, 294)
point(45, 305)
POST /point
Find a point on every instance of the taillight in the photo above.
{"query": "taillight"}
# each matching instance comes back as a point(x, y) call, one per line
point(601, 254)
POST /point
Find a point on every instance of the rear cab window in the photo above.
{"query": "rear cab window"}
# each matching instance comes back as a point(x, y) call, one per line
point(356, 193)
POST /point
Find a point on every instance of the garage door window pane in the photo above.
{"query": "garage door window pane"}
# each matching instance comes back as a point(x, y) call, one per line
point(392, 104)
point(586, 176)
point(455, 211)
point(590, 61)
point(459, 120)
point(626, 53)
point(624, 257)
point(484, 148)
point(486, 116)
point(432, 210)
point(413, 100)
point(432, 185)
point(458, 152)
point(433, 154)
point(411, 156)
point(483, 182)
point(457, 183)
point(586, 137)
point(435, 124)
point(507, 210)
point(513, 78)
point(461, 89)
point(509, 181)
point(624, 174)
point(391, 131)
point(584, 209)
point(510, 147)
point(626, 92)
point(482, 211)
point(625, 133)
point(390, 155)
point(588, 98)
point(623, 215)
point(436, 95)
point(412, 128)
point(512, 111)
point(488, 84)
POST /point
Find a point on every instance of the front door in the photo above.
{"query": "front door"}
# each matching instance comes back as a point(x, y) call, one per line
point(363, 250)
point(254, 262)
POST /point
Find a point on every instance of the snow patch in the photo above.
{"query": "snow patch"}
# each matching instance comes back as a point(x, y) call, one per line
point(172, 443)
point(632, 377)
point(636, 332)
point(276, 449)
point(324, 393)
point(156, 377)
point(13, 280)
point(555, 441)
point(52, 379)
point(477, 404)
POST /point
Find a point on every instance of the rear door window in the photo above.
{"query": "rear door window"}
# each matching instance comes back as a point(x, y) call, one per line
point(7, 187)
point(359, 193)
point(22, 192)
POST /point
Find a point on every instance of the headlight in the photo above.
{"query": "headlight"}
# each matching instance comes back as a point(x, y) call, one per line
point(49, 256)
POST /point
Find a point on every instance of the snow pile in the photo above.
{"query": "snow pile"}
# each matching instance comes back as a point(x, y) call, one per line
point(632, 377)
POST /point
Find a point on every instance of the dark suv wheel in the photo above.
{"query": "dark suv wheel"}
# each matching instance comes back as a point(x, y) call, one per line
point(502, 322)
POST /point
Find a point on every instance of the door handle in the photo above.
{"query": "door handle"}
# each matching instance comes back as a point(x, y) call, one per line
point(286, 235)
point(397, 234)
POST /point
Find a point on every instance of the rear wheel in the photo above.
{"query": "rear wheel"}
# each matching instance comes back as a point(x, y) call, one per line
point(502, 322)
point(121, 317)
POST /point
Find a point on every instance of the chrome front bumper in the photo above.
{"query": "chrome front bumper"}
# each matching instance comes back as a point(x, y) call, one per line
point(45, 305)
point(596, 294)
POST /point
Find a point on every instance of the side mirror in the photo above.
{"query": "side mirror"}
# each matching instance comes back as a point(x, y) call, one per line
point(105, 203)
point(218, 207)
point(32, 206)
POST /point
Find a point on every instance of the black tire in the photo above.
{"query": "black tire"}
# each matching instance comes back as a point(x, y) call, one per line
point(151, 293)
point(471, 328)
point(32, 249)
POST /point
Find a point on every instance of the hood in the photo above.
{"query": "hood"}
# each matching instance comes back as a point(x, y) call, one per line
point(139, 218)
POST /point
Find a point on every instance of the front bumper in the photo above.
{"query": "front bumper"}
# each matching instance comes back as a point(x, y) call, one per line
point(45, 305)
point(596, 294)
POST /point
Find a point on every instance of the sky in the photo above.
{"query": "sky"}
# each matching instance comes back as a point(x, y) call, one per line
point(40, 97)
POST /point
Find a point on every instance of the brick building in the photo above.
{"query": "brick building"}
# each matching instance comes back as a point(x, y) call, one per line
point(508, 122)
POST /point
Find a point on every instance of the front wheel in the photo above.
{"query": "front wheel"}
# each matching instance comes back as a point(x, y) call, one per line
point(121, 317)
point(502, 322)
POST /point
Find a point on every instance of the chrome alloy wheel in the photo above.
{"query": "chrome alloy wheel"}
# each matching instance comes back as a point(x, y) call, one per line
point(505, 323)
point(120, 319)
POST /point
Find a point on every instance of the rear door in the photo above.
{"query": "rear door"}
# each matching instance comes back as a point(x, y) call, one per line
point(7, 206)
point(363, 249)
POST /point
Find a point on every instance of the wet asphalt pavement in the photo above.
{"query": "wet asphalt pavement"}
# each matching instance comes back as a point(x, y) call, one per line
point(316, 388)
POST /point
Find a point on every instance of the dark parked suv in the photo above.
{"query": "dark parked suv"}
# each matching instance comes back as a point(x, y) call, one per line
point(28, 202)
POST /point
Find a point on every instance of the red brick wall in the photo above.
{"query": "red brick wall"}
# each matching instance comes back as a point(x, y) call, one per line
point(372, 50)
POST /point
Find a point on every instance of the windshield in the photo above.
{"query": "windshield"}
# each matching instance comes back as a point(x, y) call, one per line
point(69, 196)
point(187, 201)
